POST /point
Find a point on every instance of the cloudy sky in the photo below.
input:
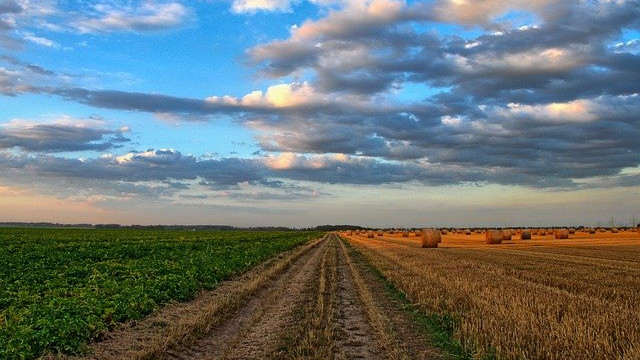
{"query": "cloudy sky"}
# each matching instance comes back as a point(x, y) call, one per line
point(307, 112)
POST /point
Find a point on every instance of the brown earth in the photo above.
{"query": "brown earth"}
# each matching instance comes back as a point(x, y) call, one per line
point(315, 302)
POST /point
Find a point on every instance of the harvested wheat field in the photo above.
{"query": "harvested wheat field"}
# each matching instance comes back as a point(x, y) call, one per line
point(543, 298)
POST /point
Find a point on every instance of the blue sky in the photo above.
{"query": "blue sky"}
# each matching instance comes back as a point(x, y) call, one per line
point(298, 113)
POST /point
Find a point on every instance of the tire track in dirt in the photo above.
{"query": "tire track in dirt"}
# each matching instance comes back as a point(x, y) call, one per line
point(357, 337)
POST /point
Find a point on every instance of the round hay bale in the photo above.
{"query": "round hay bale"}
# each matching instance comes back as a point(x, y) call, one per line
point(493, 237)
point(379, 233)
point(561, 234)
point(506, 235)
point(525, 234)
point(430, 238)
point(591, 231)
point(405, 233)
point(614, 230)
point(467, 232)
point(572, 231)
point(370, 234)
point(349, 232)
point(444, 231)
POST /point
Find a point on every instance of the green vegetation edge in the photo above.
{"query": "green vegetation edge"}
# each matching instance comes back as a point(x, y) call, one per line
point(61, 288)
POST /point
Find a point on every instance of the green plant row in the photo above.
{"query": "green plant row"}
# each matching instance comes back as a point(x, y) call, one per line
point(60, 288)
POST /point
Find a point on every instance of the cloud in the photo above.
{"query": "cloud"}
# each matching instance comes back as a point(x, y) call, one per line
point(60, 135)
point(10, 7)
point(252, 6)
point(26, 20)
point(469, 12)
point(573, 111)
point(279, 96)
point(16, 17)
point(39, 40)
point(148, 16)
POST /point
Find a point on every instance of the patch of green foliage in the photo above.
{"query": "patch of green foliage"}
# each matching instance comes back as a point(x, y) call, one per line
point(60, 288)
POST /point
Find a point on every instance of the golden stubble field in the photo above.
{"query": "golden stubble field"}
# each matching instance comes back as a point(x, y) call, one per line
point(524, 299)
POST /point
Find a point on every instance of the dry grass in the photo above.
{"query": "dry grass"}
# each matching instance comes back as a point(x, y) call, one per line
point(535, 299)
point(314, 331)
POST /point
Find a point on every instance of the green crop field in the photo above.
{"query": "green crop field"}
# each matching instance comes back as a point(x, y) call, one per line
point(59, 288)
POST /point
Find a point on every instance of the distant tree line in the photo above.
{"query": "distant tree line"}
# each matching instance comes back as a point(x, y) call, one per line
point(175, 227)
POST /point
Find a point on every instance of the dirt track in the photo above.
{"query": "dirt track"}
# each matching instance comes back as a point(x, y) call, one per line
point(321, 302)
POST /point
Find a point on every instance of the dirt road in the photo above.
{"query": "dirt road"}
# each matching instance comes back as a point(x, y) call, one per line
point(318, 302)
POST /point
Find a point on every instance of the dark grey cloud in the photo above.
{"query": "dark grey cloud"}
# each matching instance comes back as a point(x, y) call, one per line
point(10, 7)
point(151, 165)
point(19, 77)
point(59, 137)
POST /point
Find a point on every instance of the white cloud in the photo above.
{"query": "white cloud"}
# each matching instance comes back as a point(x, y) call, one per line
point(278, 96)
point(149, 16)
point(576, 111)
point(252, 6)
point(39, 40)
point(451, 121)
point(291, 161)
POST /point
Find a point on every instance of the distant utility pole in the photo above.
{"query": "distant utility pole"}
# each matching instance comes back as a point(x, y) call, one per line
point(612, 222)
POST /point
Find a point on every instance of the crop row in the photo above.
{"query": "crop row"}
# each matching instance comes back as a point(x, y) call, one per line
point(60, 288)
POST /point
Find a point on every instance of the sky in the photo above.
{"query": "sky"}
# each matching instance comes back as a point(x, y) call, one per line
point(308, 112)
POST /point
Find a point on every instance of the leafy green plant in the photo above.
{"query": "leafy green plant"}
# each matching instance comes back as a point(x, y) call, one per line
point(60, 288)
